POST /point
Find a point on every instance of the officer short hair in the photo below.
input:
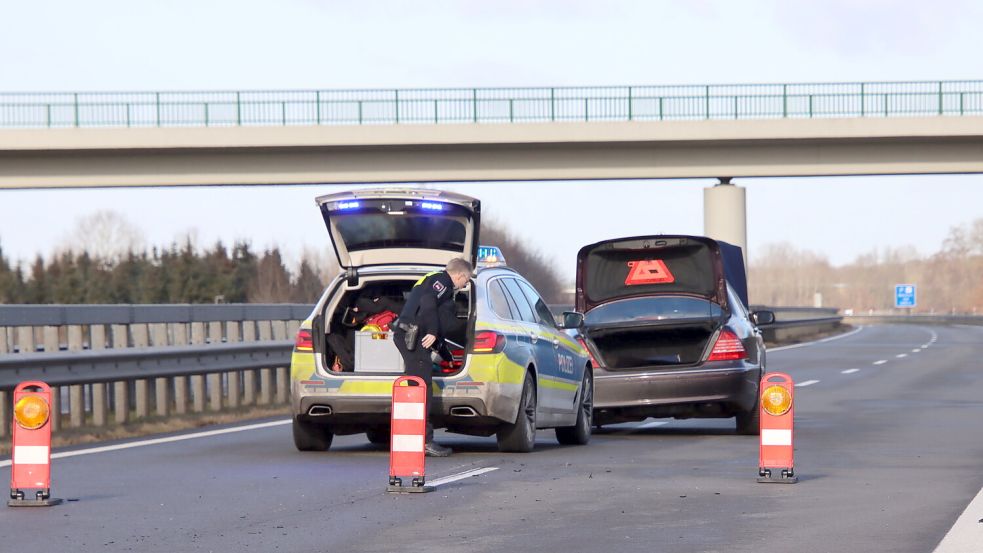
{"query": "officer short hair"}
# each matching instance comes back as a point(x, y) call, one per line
point(459, 265)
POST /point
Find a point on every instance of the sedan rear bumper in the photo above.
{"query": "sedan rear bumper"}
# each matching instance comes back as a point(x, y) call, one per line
point(704, 391)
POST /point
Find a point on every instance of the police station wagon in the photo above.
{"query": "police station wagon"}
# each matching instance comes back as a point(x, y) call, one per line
point(509, 370)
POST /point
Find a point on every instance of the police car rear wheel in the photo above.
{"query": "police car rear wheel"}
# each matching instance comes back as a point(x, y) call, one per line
point(579, 434)
point(311, 437)
point(378, 436)
point(521, 436)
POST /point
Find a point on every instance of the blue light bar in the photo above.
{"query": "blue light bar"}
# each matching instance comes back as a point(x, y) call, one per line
point(432, 206)
point(347, 205)
point(490, 256)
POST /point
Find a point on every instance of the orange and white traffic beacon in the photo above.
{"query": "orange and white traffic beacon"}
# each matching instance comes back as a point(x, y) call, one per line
point(775, 457)
point(407, 457)
point(31, 464)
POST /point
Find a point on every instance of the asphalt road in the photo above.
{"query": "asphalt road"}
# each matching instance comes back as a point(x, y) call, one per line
point(888, 455)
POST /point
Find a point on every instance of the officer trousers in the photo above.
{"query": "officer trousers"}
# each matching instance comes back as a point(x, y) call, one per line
point(418, 363)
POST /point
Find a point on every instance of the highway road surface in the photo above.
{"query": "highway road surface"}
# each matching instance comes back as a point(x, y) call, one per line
point(889, 453)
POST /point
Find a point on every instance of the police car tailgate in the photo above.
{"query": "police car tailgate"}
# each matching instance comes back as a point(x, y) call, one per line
point(399, 227)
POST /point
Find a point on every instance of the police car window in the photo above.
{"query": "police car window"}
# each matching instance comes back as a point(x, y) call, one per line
point(496, 297)
point(545, 315)
point(365, 231)
point(525, 310)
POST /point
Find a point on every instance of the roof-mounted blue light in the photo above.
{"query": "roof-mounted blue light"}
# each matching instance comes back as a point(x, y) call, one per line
point(347, 205)
point(490, 256)
point(433, 206)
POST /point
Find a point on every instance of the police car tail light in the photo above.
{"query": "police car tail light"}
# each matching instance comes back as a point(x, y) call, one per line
point(488, 341)
point(728, 347)
point(583, 344)
point(304, 341)
point(31, 412)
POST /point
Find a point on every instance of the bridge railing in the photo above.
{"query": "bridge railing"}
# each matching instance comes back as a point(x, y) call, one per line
point(490, 105)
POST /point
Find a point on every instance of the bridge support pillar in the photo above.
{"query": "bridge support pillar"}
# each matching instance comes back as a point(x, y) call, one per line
point(725, 214)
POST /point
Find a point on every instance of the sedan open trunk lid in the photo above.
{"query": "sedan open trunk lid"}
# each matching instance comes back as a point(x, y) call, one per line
point(645, 266)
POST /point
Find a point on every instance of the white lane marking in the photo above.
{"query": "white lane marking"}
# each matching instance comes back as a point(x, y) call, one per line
point(460, 476)
point(966, 534)
point(935, 335)
point(901, 355)
point(916, 350)
point(925, 346)
point(881, 362)
point(806, 383)
point(156, 441)
point(824, 340)
point(850, 371)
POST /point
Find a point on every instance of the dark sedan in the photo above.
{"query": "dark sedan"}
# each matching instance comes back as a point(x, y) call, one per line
point(667, 324)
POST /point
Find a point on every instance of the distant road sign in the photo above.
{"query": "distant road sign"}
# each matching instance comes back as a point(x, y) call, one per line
point(904, 295)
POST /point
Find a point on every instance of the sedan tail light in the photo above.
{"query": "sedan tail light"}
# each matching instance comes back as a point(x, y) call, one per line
point(593, 362)
point(728, 347)
point(488, 341)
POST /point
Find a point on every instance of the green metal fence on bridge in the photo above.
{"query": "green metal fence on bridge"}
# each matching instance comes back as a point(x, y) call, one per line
point(490, 105)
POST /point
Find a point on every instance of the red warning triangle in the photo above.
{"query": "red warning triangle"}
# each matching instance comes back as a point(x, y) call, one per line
point(649, 271)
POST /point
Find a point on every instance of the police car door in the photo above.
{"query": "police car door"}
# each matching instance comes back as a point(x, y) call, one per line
point(542, 346)
point(569, 372)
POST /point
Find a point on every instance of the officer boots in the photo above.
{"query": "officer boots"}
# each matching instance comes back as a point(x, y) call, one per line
point(433, 449)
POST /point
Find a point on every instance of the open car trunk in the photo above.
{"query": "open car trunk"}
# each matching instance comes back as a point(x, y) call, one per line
point(656, 301)
point(627, 347)
point(358, 333)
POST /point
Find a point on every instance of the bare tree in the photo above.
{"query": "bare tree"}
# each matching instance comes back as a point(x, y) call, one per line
point(106, 235)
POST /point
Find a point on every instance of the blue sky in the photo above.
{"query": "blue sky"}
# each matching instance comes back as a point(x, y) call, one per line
point(104, 45)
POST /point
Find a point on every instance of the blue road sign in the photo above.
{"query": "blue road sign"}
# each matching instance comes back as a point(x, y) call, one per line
point(904, 295)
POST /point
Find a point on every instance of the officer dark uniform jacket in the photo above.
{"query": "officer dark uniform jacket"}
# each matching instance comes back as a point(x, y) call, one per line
point(430, 298)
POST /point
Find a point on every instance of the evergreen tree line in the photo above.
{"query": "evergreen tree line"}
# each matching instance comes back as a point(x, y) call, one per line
point(182, 274)
point(175, 275)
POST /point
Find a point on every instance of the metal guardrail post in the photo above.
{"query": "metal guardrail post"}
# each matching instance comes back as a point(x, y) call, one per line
point(552, 104)
point(396, 96)
point(784, 101)
point(76, 104)
point(157, 103)
point(941, 104)
point(239, 111)
point(863, 101)
point(708, 101)
point(474, 104)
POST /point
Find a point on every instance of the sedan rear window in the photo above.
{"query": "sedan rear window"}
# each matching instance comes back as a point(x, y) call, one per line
point(652, 309)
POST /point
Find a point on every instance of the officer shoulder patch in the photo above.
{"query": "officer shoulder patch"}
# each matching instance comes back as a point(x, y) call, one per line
point(439, 287)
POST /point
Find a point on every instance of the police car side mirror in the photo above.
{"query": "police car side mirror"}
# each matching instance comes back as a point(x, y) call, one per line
point(572, 319)
point(763, 317)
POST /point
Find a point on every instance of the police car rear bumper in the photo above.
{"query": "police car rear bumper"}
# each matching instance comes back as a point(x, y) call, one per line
point(457, 405)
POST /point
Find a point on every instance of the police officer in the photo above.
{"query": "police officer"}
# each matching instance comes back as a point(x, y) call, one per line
point(419, 329)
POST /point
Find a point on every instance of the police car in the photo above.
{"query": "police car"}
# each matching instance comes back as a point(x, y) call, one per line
point(509, 370)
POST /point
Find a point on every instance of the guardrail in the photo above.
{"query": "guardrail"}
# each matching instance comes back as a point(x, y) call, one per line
point(142, 361)
point(916, 319)
point(490, 105)
point(792, 323)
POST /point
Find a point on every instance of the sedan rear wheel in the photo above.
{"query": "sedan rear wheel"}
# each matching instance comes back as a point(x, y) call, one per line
point(521, 436)
point(579, 434)
point(749, 422)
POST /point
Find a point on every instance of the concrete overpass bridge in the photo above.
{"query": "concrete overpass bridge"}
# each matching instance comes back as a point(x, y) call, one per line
point(460, 135)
